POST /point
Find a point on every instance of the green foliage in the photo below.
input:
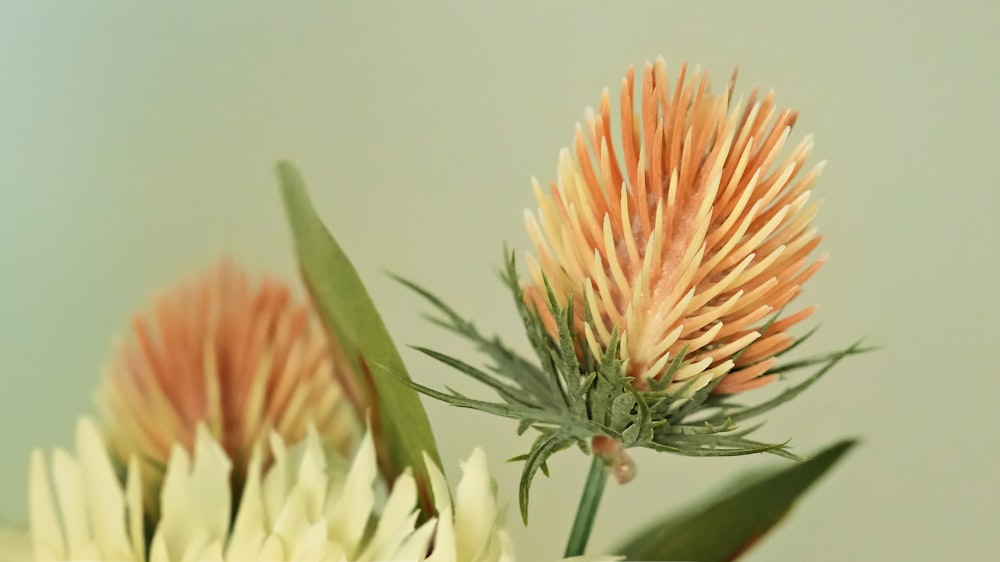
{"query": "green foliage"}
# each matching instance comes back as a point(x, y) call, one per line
point(727, 526)
point(398, 417)
point(571, 400)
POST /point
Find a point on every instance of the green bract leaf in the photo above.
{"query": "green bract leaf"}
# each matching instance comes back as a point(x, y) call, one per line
point(582, 398)
point(828, 361)
point(399, 419)
point(543, 448)
point(725, 528)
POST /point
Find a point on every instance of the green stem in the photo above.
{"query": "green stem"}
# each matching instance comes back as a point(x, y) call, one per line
point(586, 512)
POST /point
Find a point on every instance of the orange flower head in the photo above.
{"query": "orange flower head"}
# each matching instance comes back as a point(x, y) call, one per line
point(245, 359)
point(688, 237)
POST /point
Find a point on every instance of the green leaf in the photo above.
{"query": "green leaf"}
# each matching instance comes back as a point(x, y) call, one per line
point(830, 359)
point(507, 363)
point(398, 418)
point(511, 394)
point(727, 527)
point(543, 448)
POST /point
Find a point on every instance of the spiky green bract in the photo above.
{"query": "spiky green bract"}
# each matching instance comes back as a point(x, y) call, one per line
point(571, 399)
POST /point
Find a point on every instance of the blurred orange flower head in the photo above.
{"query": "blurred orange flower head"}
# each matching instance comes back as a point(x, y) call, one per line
point(244, 358)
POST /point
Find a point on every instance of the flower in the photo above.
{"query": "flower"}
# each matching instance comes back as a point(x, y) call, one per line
point(684, 242)
point(659, 282)
point(307, 506)
point(242, 359)
point(15, 544)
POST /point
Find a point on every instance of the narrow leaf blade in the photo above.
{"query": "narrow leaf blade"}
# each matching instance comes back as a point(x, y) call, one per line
point(348, 312)
point(728, 526)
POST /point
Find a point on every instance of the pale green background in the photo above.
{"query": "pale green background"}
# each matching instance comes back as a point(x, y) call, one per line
point(136, 145)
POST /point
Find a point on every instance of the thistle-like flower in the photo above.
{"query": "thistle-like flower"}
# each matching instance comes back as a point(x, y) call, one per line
point(685, 240)
point(664, 266)
point(244, 360)
point(15, 544)
point(309, 505)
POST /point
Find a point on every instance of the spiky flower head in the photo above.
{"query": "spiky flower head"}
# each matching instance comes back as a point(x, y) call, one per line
point(664, 266)
point(684, 238)
point(242, 358)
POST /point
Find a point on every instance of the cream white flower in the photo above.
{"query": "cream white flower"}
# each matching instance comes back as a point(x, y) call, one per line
point(15, 544)
point(305, 506)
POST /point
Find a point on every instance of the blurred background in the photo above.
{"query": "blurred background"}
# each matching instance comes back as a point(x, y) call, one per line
point(137, 146)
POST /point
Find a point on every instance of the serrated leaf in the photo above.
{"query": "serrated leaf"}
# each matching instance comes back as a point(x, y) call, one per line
point(831, 360)
point(631, 435)
point(854, 349)
point(509, 364)
point(798, 341)
point(512, 411)
point(544, 447)
point(347, 311)
point(509, 393)
point(621, 411)
point(718, 446)
point(725, 528)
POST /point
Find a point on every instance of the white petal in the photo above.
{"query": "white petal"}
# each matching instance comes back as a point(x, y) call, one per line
point(46, 532)
point(204, 549)
point(506, 547)
point(15, 545)
point(195, 504)
point(348, 514)
point(444, 538)
point(158, 550)
point(249, 528)
point(292, 521)
point(276, 481)
point(312, 477)
point(136, 512)
point(475, 508)
point(171, 533)
point(196, 545)
point(68, 479)
point(104, 497)
point(212, 552)
point(444, 534)
point(439, 486)
point(311, 546)
point(210, 484)
point(396, 522)
point(272, 550)
point(416, 545)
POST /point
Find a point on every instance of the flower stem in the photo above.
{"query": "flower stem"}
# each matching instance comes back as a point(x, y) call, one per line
point(586, 512)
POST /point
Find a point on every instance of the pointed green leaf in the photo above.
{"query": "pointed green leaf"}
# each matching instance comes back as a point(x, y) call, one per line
point(511, 394)
point(345, 307)
point(543, 448)
point(727, 527)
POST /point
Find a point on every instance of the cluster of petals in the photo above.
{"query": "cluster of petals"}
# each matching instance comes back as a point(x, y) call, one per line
point(242, 358)
point(686, 237)
point(309, 505)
